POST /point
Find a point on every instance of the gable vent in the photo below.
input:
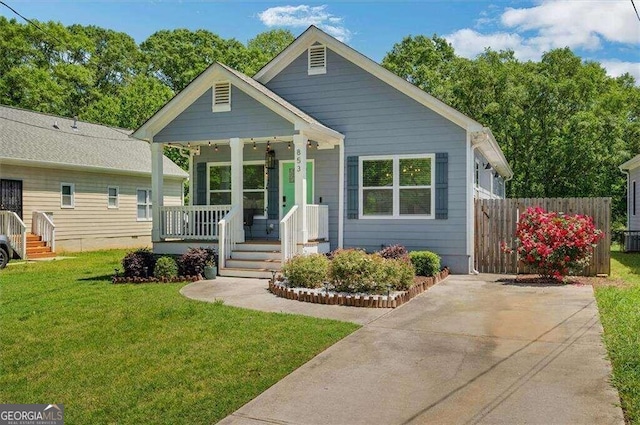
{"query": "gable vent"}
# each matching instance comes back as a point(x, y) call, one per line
point(222, 97)
point(317, 60)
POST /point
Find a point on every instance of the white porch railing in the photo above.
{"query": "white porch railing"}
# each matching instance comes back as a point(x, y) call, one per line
point(228, 235)
point(42, 225)
point(192, 222)
point(289, 234)
point(318, 222)
point(14, 228)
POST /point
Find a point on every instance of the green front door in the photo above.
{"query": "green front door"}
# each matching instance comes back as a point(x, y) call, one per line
point(288, 195)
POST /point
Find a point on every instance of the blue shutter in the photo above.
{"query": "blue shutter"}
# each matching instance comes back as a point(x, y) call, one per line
point(442, 185)
point(352, 187)
point(273, 211)
point(201, 184)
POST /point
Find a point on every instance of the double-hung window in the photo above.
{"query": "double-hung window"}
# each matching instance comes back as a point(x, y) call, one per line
point(399, 186)
point(112, 197)
point(67, 195)
point(144, 204)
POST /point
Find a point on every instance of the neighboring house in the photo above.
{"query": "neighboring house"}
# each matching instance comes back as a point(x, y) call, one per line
point(323, 148)
point(92, 182)
point(632, 237)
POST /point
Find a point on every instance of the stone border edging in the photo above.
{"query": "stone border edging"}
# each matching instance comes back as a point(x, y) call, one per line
point(370, 301)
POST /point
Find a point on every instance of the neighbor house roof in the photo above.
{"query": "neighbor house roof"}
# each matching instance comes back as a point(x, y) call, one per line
point(489, 148)
point(33, 138)
point(631, 164)
point(248, 85)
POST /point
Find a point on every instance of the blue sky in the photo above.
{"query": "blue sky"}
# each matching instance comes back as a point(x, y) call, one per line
point(604, 30)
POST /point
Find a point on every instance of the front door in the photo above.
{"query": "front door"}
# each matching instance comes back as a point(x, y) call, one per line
point(288, 186)
point(11, 196)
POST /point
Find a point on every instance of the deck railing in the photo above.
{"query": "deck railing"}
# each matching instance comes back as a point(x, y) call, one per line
point(14, 228)
point(42, 225)
point(228, 227)
point(289, 234)
point(318, 222)
point(198, 222)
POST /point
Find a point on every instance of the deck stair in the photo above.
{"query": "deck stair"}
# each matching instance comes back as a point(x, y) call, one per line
point(37, 248)
point(254, 259)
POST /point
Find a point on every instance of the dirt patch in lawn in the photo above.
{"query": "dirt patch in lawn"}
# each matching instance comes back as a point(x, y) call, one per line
point(537, 280)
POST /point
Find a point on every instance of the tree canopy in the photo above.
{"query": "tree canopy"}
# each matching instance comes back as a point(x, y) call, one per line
point(563, 124)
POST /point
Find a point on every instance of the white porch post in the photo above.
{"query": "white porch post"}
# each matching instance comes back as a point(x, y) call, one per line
point(237, 147)
point(157, 174)
point(300, 145)
point(191, 177)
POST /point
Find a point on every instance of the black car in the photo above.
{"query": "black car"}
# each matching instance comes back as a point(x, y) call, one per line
point(6, 253)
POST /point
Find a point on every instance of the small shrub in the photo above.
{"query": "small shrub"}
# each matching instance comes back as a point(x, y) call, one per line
point(427, 263)
point(192, 262)
point(134, 263)
point(166, 268)
point(355, 271)
point(394, 252)
point(398, 273)
point(306, 271)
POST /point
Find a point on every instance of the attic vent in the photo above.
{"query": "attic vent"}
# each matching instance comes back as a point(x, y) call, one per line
point(222, 97)
point(317, 59)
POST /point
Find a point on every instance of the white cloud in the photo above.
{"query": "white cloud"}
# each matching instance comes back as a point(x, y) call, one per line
point(531, 31)
point(616, 68)
point(302, 16)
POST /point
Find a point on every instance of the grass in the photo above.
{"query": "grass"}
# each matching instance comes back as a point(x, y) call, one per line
point(139, 353)
point(619, 307)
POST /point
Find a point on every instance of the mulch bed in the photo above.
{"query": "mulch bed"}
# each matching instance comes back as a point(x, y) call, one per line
point(537, 280)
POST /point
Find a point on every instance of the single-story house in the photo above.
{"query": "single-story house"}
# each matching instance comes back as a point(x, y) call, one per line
point(323, 148)
point(76, 186)
point(632, 237)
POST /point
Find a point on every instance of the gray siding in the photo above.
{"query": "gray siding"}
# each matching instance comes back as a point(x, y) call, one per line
point(325, 178)
point(247, 118)
point(376, 119)
point(634, 219)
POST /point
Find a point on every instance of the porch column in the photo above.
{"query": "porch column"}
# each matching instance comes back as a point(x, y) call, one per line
point(157, 174)
point(237, 147)
point(300, 145)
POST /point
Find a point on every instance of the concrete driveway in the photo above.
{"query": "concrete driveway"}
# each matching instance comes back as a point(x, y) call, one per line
point(469, 350)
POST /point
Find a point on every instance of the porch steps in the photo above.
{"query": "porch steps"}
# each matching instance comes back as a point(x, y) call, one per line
point(254, 259)
point(37, 248)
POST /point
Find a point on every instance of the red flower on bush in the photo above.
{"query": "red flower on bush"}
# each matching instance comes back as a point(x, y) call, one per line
point(556, 243)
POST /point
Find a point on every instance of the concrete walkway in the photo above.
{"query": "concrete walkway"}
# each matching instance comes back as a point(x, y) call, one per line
point(469, 350)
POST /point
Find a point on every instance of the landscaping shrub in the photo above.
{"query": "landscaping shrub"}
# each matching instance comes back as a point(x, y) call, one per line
point(555, 243)
point(394, 252)
point(166, 268)
point(355, 271)
point(398, 273)
point(426, 263)
point(192, 262)
point(306, 271)
point(134, 263)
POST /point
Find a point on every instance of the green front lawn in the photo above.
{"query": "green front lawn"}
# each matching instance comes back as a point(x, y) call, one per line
point(139, 353)
point(619, 307)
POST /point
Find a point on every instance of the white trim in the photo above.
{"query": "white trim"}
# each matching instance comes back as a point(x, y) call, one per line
point(317, 70)
point(148, 204)
point(117, 197)
point(341, 211)
point(228, 164)
point(476, 174)
point(396, 188)
point(72, 194)
point(280, 182)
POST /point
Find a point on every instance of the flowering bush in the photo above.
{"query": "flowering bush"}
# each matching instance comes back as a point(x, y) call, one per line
point(556, 243)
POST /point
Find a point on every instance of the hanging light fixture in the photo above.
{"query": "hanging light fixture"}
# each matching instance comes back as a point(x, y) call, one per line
point(209, 143)
point(289, 145)
point(215, 148)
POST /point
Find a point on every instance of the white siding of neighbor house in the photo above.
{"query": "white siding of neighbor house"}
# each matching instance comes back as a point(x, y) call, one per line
point(90, 224)
point(634, 220)
point(377, 119)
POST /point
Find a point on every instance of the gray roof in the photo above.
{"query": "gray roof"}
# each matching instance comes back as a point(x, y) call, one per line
point(31, 136)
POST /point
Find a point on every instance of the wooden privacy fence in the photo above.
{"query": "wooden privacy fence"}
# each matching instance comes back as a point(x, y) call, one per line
point(496, 221)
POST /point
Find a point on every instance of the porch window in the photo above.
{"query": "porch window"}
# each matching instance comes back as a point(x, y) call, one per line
point(254, 185)
point(67, 195)
point(144, 204)
point(399, 186)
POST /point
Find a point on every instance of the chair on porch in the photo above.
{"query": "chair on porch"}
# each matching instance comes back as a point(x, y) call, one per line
point(247, 219)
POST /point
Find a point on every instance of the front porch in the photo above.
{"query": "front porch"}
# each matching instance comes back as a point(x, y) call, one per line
point(270, 209)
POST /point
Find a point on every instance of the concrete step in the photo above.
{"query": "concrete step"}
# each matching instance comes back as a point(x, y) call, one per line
point(239, 272)
point(259, 246)
point(255, 255)
point(253, 264)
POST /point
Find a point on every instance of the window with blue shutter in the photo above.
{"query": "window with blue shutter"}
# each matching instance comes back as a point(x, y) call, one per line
point(352, 187)
point(442, 186)
point(201, 184)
